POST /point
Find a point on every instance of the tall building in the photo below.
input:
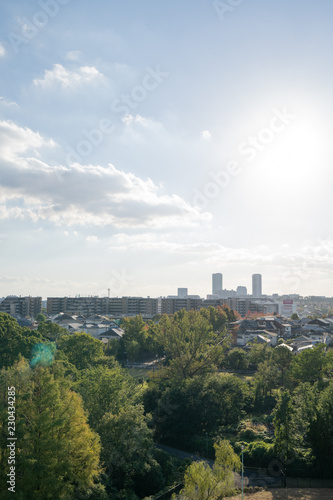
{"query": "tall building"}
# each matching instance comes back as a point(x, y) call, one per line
point(182, 293)
point(21, 306)
point(256, 285)
point(217, 283)
point(241, 291)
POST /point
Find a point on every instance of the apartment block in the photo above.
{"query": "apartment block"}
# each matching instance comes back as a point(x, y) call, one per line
point(172, 305)
point(85, 306)
point(115, 306)
point(21, 306)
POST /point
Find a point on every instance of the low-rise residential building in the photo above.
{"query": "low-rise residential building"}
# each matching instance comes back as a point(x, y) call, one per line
point(244, 337)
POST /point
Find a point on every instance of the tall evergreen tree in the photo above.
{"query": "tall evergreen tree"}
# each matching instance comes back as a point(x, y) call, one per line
point(57, 452)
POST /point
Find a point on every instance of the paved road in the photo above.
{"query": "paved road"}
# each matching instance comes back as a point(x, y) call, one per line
point(184, 454)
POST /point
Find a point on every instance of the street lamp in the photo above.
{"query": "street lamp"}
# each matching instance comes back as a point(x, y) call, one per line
point(242, 472)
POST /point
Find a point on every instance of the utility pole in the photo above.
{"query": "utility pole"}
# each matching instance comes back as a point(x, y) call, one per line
point(242, 472)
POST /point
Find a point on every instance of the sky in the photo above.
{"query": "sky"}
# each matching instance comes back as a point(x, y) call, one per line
point(146, 145)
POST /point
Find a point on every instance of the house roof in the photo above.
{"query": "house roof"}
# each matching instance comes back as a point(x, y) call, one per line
point(302, 338)
point(285, 345)
point(320, 321)
point(261, 339)
point(304, 347)
point(113, 332)
point(260, 332)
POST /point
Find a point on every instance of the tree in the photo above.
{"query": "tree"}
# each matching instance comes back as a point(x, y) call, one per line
point(259, 353)
point(283, 428)
point(105, 390)
point(313, 425)
point(266, 379)
point(135, 336)
point(191, 344)
point(132, 349)
point(305, 404)
point(40, 318)
point(81, 349)
point(15, 341)
point(205, 483)
point(58, 452)
point(127, 450)
point(308, 366)
point(217, 316)
point(231, 314)
point(236, 359)
point(51, 331)
point(294, 316)
point(321, 431)
point(282, 358)
point(198, 406)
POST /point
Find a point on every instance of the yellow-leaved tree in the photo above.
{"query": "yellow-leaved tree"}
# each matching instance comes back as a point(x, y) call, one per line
point(56, 451)
point(203, 482)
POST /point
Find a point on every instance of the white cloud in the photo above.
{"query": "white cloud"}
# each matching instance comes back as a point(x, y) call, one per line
point(8, 103)
point(2, 50)
point(81, 194)
point(68, 79)
point(92, 239)
point(15, 140)
point(73, 55)
point(148, 123)
point(205, 134)
point(293, 267)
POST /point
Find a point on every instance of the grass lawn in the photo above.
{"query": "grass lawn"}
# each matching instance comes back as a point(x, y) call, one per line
point(138, 373)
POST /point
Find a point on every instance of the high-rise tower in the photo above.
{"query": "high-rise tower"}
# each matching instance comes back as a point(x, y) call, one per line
point(217, 283)
point(256, 285)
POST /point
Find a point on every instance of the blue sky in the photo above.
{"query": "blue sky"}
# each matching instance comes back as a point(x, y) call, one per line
point(146, 145)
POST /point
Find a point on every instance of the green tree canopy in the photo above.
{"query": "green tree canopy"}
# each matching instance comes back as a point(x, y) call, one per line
point(81, 349)
point(51, 331)
point(236, 359)
point(205, 483)
point(105, 390)
point(127, 449)
point(57, 451)
point(308, 366)
point(259, 353)
point(313, 425)
point(15, 341)
point(199, 405)
point(283, 428)
point(40, 318)
point(282, 358)
point(191, 343)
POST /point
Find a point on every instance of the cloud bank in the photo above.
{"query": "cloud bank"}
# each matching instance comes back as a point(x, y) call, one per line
point(31, 187)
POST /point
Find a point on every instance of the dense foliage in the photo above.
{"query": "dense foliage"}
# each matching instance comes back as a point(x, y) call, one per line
point(87, 429)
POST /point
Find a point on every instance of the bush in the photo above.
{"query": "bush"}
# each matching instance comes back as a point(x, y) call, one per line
point(253, 431)
point(257, 453)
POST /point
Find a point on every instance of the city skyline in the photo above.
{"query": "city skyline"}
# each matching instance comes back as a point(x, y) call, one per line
point(145, 146)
